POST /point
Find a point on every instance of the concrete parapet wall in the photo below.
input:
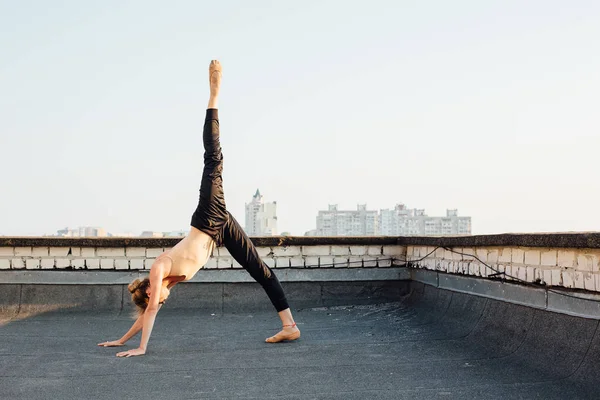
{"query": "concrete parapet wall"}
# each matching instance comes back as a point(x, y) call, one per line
point(138, 258)
point(575, 268)
point(570, 260)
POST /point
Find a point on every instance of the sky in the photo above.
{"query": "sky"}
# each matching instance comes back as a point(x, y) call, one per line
point(490, 107)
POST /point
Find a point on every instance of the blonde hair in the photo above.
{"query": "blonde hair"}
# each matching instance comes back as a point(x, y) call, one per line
point(139, 297)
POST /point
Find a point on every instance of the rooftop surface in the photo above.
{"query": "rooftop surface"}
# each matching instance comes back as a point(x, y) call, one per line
point(430, 344)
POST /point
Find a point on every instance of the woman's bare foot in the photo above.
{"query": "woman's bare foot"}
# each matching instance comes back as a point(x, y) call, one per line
point(214, 77)
point(289, 332)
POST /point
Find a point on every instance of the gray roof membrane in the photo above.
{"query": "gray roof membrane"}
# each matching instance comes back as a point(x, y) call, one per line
point(416, 342)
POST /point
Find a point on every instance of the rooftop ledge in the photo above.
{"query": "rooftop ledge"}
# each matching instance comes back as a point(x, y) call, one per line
point(589, 240)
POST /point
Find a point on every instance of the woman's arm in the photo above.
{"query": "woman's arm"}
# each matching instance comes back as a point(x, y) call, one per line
point(135, 328)
point(156, 278)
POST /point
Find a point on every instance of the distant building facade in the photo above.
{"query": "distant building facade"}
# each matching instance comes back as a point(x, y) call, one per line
point(83, 231)
point(399, 221)
point(359, 222)
point(261, 217)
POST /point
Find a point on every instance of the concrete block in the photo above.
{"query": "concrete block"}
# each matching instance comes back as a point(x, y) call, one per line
point(47, 263)
point(110, 252)
point(152, 252)
point(270, 261)
point(578, 280)
point(78, 263)
point(522, 275)
point(547, 277)
point(456, 254)
point(286, 251)
point(107, 263)
point(59, 251)
point(355, 262)
point(223, 252)
point(385, 262)
point(518, 256)
point(585, 262)
point(88, 252)
point(75, 251)
point(236, 265)
point(358, 250)
point(297, 262)
point(326, 262)
point(557, 277)
point(468, 253)
point(482, 254)
point(492, 257)
point(32, 263)
point(596, 280)
point(532, 257)
point(4, 263)
point(505, 255)
point(121, 263)
point(23, 251)
point(135, 251)
point(136, 263)
point(589, 282)
point(399, 251)
point(224, 262)
point(39, 252)
point(340, 262)
point(438, 253)
point(63, 263)
point(568, 280)
point(370, 261)
point(508, 272)
point(263, 251)
point(530, 274)
point(92, 263)
point(316, 250)
point(374, 250)
point(282, 262)
point(548, 258)
point(311, 262)
point(148, 262)
point(7, 251)
point(566, 259)
point(340, 250)
point(210, 264)
point(18, 263)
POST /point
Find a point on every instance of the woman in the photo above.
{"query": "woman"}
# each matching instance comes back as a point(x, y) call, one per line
point(212, 225)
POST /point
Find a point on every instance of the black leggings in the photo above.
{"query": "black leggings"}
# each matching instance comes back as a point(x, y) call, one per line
point(211, 216)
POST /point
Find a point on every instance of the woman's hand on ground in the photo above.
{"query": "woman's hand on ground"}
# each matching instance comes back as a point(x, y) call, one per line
point(113, 343)
point(131, 353)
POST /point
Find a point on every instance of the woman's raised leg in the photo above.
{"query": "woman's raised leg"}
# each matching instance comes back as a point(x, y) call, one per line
point(211, 213)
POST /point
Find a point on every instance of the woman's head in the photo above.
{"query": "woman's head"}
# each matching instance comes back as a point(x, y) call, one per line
point(139, 293)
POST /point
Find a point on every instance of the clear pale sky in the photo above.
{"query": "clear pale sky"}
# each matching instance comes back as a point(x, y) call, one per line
point(491, 107)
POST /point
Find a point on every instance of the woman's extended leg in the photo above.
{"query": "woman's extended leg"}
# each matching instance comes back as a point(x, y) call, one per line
point(211, 214)
point(243, 250)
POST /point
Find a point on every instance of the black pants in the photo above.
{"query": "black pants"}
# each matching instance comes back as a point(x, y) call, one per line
point(211, 216)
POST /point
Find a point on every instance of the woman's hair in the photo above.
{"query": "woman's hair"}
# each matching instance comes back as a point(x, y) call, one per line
point(139, 297)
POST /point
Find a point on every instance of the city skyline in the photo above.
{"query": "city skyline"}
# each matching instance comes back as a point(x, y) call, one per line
point(489, 107)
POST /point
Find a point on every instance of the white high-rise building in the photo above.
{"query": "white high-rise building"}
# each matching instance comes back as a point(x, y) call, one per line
point(400, 221)
point(359, 222)
point(261, 217)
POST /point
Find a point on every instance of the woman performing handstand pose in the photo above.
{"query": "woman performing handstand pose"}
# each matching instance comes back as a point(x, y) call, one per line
point(211, 225)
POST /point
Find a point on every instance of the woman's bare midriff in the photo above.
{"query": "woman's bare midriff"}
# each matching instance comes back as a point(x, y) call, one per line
point(189, 255)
